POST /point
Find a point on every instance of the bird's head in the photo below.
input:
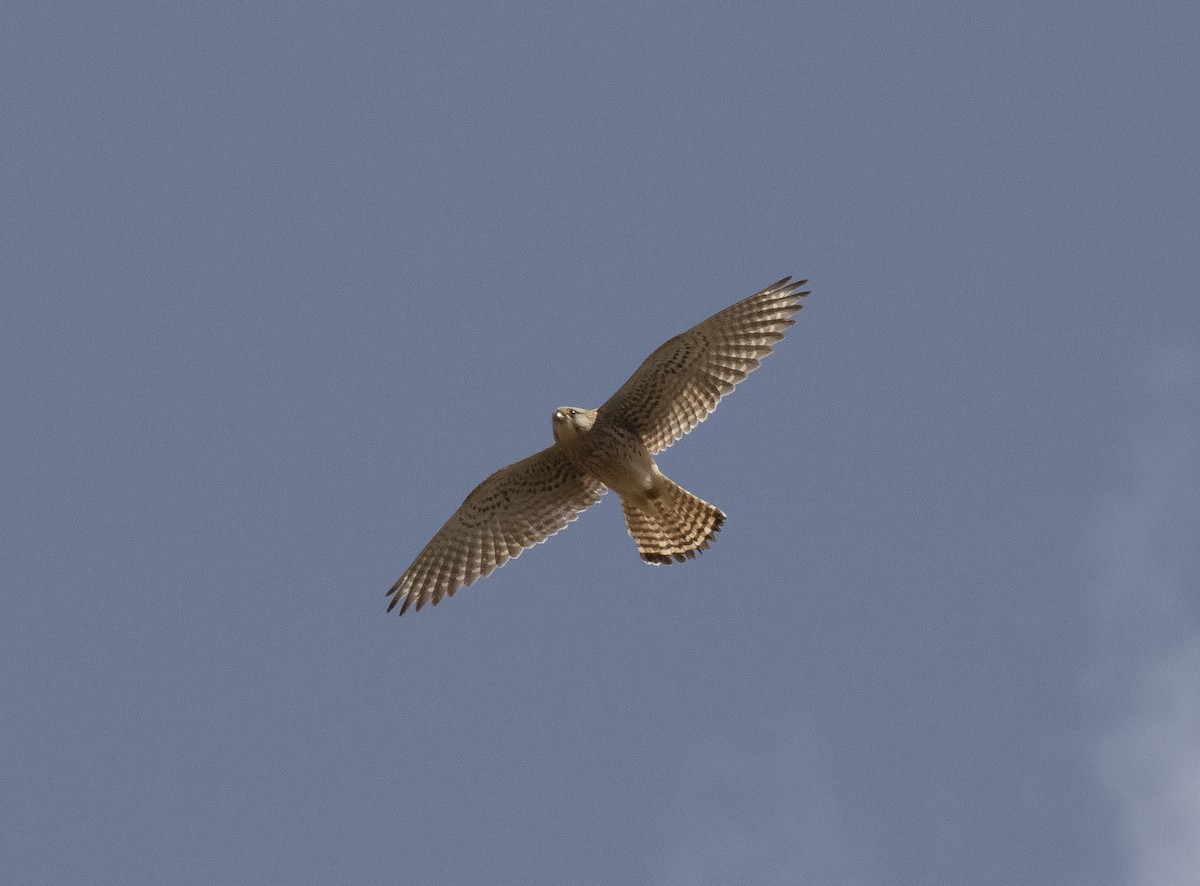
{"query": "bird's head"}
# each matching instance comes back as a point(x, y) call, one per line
point(570, 422)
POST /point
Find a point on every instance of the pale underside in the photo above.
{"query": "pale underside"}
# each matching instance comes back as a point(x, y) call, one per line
point(675, 389)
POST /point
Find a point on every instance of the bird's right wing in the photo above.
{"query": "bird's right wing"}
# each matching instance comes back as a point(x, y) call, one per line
point(515, 508)
point(681, 383)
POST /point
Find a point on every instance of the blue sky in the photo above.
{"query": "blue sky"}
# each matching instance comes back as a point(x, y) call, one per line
point(283, 282)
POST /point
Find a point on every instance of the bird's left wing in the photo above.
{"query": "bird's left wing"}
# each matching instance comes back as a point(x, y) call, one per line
point(681, 383)
point(514, 509)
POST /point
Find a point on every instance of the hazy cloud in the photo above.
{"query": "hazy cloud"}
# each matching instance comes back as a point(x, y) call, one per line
point(1148, 657)
point(764, 816)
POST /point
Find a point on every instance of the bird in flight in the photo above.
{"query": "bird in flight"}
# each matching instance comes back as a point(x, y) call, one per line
point(595, 450)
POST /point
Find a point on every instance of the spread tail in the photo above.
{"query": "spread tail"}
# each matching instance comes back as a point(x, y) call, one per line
point(673, 525)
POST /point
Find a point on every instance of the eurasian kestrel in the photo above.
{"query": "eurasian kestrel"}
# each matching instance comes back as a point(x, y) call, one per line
point(610, 448)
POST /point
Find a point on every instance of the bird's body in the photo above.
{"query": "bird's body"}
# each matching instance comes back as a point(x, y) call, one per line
point(614, 455)
point(611, 447)
point(667, 522)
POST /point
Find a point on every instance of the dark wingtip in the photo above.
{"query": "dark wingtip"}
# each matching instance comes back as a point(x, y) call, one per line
point(394, 593)
point(793, 288)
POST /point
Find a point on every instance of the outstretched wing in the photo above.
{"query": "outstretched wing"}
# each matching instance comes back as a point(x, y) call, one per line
point(515, 508)
point(682, 382)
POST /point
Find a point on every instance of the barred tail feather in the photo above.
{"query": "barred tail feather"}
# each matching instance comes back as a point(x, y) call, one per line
point(674, 525)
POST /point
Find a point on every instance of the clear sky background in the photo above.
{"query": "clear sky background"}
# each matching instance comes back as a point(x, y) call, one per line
point(282, 282)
